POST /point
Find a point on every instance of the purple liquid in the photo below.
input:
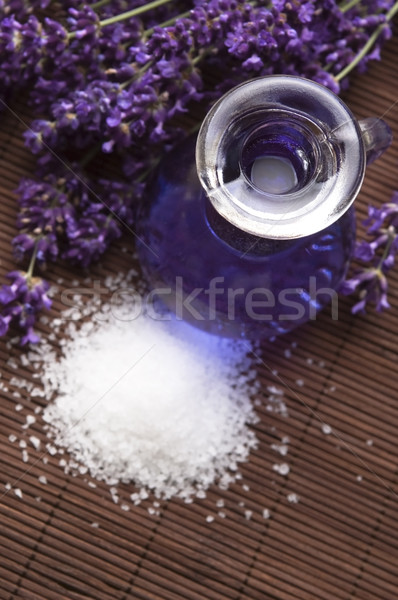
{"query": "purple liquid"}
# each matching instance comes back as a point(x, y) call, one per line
point(224, 280)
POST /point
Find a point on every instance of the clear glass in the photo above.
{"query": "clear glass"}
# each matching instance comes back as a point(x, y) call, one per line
point(249, 230)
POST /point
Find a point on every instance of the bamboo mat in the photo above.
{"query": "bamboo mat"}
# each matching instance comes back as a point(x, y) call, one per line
point(332, 532)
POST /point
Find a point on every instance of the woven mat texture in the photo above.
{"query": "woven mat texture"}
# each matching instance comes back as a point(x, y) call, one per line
point(338, 542)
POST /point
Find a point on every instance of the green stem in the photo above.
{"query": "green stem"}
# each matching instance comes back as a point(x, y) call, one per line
point(92, 153)
point(392, 234)
point(127, 15)
point(149, 32)
point(390, 15)
point(351, 4)
point(99, 4)
point(31, 267)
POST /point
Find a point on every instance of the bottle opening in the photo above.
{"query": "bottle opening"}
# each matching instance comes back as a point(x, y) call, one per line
point(279, 156)
point(273, 174)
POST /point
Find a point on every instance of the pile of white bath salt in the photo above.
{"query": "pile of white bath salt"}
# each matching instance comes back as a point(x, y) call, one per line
point(159, 404)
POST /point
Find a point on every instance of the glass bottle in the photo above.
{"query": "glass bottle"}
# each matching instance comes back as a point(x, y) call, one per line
point(248, 230)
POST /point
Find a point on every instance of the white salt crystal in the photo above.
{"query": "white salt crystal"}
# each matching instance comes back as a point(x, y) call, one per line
point(8, 486)
point(23, 444)
point(220, 503)
point(275, 390)
point(12, 438)
point(209, 518)
point(18, 407)
point(359, 477)
point(95, 524)
point(35, 442)
point(300, 382)
point(222, 514)
point(157, 403)
point(125, 507)
point(369, 442)
point(246, 488)
point(266, 513)
point(42, 479)
point(25, 456)
point(282, 449)
point(248, 514)
point(326, 429)
point(18, 492)
point(281, 468)
point(293, 498)
point(30, 419)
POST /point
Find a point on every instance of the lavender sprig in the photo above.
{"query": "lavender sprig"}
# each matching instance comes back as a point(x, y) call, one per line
point(370, 282)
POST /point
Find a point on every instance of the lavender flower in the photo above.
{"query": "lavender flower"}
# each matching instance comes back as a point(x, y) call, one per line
point(20, 302)
point(370, 282)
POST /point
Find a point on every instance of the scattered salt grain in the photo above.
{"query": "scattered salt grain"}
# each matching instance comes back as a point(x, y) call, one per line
point(18, 492)
point(25, 456)
point(326, 429)
point(52, 450)
point(220, 503)
point(209, 518)
point(23, 444)
point(248, 514)
point(266, 513)
point(222, 514)
point(282, 449)
point(359, 477)
point(245, 488)
point(8, 486)
point(281, 468)
point(35, 442)
point(18, 407)
point(30, 419)
point(125, 507)
point(272, 389)
point(42, 479)
point(158, 403)
point(95, 525)
point(288, 353)
point(293, 498)
point(12, 438)
point(369, 442)
point(300, 382)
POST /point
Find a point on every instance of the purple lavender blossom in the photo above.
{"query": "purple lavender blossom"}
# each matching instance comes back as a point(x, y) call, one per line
point(20, 301)
point(370, 282)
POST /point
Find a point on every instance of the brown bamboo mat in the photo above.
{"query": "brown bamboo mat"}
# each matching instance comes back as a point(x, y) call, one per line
point(338, 542)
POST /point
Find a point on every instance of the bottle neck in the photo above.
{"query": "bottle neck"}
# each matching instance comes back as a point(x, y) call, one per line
point(280, 157)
